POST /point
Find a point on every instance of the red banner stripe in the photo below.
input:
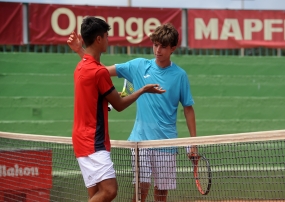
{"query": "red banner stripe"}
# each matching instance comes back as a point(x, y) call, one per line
point(11, 23)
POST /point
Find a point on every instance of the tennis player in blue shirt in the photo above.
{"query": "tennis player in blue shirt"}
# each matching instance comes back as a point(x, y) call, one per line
point(156, 114)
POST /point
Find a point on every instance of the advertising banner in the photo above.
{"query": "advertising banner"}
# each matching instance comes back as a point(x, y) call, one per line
point(11, 23)
point(130, 26)
point(229, 29)
point(25, 169)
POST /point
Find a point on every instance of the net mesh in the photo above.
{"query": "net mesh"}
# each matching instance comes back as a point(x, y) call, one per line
point(244, 167)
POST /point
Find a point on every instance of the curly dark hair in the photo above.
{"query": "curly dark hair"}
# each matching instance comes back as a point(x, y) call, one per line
point(165, 34)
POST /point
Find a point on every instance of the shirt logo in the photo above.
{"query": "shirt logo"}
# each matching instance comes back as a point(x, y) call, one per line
point(146, 76)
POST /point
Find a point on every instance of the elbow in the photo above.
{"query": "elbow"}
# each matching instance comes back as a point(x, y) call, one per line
point(118, 108)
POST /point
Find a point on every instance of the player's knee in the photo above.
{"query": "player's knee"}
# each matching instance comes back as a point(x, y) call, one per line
point(114, 193)
point(111, 192)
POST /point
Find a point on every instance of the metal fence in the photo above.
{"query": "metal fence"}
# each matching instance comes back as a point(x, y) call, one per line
point(148, 50)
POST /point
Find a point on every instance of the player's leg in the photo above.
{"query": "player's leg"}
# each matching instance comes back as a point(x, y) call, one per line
point(160, 195)
point(144, 187)
point(92, 191)
point(99, 176)
point(104, 191)
point(145, 174)
point(164, 173)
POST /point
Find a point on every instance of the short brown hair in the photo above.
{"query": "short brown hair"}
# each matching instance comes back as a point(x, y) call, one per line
point(165, 34)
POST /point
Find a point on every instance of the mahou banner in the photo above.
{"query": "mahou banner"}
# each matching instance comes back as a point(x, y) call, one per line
point(11, 23)
point(224, 29)
point(25, 169)
point(52, 24)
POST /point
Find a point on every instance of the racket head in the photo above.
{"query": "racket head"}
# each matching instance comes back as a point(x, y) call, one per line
point(128, 88)
point(202, 173)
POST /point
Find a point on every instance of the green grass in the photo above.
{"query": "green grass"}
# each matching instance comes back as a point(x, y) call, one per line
point(232, 94)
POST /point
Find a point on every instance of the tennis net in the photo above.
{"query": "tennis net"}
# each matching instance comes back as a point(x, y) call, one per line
point(244, 167)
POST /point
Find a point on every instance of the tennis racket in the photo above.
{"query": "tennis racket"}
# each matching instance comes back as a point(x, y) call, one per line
point(128, 89)
point(202, 173)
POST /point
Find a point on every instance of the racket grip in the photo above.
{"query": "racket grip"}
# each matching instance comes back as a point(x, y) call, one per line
point(188, 148)
point(110, 107)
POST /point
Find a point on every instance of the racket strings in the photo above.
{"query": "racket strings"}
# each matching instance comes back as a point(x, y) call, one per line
point(203, 174)
point(129, 88)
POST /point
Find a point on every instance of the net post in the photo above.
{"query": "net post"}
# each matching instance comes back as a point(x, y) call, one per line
point(137, 185)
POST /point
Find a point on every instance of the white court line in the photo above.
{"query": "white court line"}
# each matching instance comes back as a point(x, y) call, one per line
point(34, 97)
point(237, 76)
point(189, 75)
point(47, 83)
point(199, 97)
point(131, 120)
point(239, 97)
point(34, 74)
point(184, 170)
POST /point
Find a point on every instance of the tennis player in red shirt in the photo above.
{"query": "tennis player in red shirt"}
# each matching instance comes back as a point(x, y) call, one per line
point(93, 90)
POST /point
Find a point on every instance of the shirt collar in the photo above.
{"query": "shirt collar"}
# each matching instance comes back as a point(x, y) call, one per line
point(89, 58)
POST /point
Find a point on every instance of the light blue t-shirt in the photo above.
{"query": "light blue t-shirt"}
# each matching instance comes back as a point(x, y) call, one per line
point(156, 113)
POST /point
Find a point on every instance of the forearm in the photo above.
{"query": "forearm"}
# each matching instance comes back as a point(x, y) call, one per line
point(191, 124)
point(124, 102)
point(121, 103)
point(190, 120)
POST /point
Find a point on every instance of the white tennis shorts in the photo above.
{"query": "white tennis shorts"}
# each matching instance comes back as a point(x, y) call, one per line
point(159, 165)
point(96, 168)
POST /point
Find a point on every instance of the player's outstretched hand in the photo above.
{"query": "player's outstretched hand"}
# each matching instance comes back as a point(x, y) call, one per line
point(153, 88)
point(75, 41)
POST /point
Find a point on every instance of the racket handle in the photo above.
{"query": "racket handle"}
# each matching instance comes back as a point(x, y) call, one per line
point(188, 149)
point(110, 107)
